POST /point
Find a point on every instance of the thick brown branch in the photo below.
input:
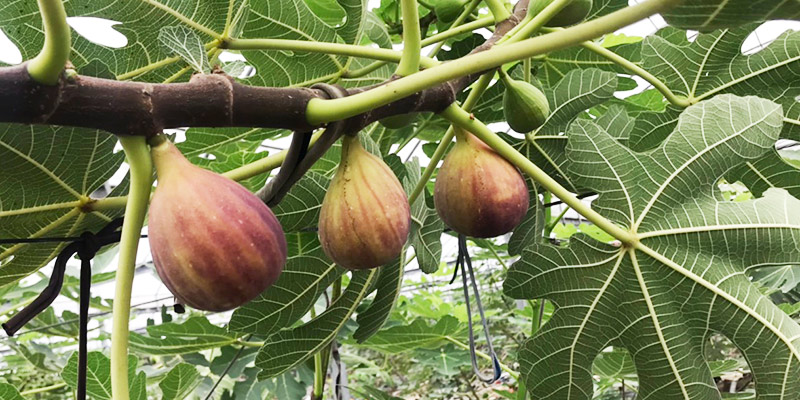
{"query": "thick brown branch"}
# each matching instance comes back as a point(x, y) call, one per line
point(215, 100)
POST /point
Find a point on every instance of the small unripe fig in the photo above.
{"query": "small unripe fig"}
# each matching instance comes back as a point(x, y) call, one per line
point(449, 10)
point(396, 121)
point(478, 193)
point(524, 106)
point(575, 12)
point(215, 244)
point(365, 217)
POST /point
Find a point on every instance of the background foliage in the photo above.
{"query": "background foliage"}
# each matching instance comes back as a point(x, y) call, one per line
point(711, 187)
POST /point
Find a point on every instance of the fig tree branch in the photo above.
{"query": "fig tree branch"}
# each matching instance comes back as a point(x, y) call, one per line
point(212, 100)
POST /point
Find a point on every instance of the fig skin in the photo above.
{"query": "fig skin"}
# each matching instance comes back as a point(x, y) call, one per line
point(525, 107)
point(365, 218)
point(575, 12)
point(477, 192)
point(448, 10)
point(215, 244)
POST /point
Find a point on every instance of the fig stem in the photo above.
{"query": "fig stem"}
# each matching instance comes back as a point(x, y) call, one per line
point(458, 21)
point(498, 10)
point(409, 61)
point(47, 66)
point(478, 89)
point(350, 50)
point(461, 118)
point(438, 38)
point(319, 111)
point(536, 22)
point(141, 172)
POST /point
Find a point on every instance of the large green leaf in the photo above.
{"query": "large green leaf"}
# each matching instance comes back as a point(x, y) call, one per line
point(48, 175)
point(767, 172)
point(556, 65)
point(684, 275)
point(141, 23)
point(418, 334)
point(307, 273)
point(195, 334)
point(179, 382)
point(299, 210)
point(98, 375)
point(388, 284)
point(288, 348)
point(9, 392)
point(288, 19)
point(713, 64)
point(706, 15)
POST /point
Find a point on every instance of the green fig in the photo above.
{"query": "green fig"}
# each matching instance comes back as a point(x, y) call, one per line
point(575, 12)
point(524, 106)
point(215, 244)
point(365, 217)
point(397, 121)
point(448, 10)
point(477, 192)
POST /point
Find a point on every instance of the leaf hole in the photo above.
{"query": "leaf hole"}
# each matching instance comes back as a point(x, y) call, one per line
point(99, 31)
point(765, 34)
point(9, 52)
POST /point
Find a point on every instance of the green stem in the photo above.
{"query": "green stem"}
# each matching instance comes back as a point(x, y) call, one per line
point(322, 47)
point(184, 19)
point(547, 197)
point(483, 355)
point(409, 62)
point(141, 173)
point(458, 21)
point(321, 111)
point(319, 377)
point(46, 67)
point(677, 100)
point(437, 38)
point(324, 356)
point(478, 88)
point(536, 22)
point(43, 389)
point(552, 224)
point(498, 10)
point(464, 120)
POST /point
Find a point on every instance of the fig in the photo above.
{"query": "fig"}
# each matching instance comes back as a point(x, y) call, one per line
point(449, 10)
point(365, 217)
point(397, 121)
point(524, 106)
point(478, 193)
point(575, 12)
point(215, 244)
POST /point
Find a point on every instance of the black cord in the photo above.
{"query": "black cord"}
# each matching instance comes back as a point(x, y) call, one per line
point(86, 246)
point(465, 263)
point(300, 157)
point(580, 196)
point(46, 240)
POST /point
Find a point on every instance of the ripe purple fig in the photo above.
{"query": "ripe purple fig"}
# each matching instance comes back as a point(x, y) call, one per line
point(214, 243)
point(478, 193)
point(365, 218)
